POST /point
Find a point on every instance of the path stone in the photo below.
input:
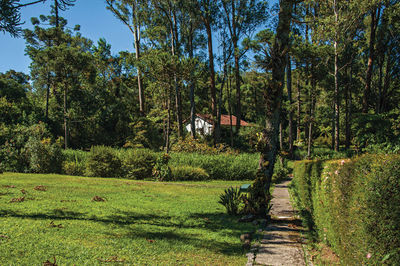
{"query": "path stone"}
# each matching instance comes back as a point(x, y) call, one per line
point(281, 241)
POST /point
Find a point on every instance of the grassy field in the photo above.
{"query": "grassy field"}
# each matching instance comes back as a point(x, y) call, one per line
point(138, 223)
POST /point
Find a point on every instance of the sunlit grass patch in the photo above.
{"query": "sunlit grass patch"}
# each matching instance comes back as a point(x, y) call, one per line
point(138, 222)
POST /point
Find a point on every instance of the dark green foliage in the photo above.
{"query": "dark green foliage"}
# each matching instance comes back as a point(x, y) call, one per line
point(103, 162)
point(186, 173)
point(138, 163)
point(161, 170)
point(231, 200)
point(354, 205)
point(372, 129)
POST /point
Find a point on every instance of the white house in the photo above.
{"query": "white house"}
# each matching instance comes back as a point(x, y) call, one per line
point(203, 123)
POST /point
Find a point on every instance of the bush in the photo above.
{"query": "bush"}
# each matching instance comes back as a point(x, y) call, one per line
point(354, 205)
point(161, 170)
point(103, 162)
point(138, 164)
point(186, 173)
point(43, 155)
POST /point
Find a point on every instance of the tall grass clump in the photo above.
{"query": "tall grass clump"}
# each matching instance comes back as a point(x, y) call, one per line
point(219, 166)
point(353, 206)
point(75, 162)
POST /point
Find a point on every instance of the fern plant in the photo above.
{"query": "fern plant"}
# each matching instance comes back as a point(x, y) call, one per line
point(231, 199)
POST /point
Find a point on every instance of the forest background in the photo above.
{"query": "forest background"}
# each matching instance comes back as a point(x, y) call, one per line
point(341, 82)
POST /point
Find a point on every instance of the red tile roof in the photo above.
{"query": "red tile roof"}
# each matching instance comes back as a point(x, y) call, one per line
point(225, 120)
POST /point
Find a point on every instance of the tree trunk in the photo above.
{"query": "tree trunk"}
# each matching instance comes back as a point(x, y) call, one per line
point(229, 90)
point(178, 105)
point(274, 95)
point(168, 125)
point(191, 94)
point(46, 114)
point(380, 85)
point(65, 118)
point(375, 14)
point(348, 109)
point(212, 80)
point(298, 135)
point(386, 83)
point(237, 82)
point(289, 91)
point(337, 103)
point(136, 35)
point(312, 110)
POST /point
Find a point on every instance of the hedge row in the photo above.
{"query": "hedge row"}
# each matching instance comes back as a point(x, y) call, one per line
point(353, 206)
point(104, 161)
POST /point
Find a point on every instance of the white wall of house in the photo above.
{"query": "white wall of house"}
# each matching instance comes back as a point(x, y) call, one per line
point(202, 127)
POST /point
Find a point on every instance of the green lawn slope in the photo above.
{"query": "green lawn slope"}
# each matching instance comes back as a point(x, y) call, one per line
point(138, 223)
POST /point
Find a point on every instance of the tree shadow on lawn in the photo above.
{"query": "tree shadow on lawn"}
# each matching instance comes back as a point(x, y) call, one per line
point(214, 222)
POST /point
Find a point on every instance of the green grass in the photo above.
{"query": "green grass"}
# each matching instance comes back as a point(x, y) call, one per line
point(139, 223)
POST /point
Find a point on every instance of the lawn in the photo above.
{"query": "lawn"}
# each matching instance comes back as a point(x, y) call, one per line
point(139, 222)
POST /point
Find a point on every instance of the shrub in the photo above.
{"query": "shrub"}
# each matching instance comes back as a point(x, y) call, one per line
point(43, 155)
point(161, 170)
point(186, 173)
point(138, 164)
point(355, 206)
point(103, 162)
point(231, 200)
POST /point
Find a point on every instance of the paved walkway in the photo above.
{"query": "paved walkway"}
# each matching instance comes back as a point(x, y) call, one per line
point(281, 242)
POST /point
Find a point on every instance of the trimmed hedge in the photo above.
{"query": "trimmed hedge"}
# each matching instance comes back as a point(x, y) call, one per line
point(353, 206)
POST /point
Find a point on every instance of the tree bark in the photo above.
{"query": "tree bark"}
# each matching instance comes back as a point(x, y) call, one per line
point(65, 118)
point(212, 79)
point(298, 134)
point(136, 35)
point(46, 114)
point(336, 100)
point(348, 109)
point(191, 94)
point(386, 83)
point(375, 14)
point(289, 91)
point(312, 110)
point(273, 95)
point(178, 105)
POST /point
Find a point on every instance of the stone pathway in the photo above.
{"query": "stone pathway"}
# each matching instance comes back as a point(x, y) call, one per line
point(281, 241)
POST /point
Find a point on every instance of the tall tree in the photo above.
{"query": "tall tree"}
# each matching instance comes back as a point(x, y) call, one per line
point(274, 60)
point(207, 10)
point(375, 17)
point(241, 17)
point(131, 13)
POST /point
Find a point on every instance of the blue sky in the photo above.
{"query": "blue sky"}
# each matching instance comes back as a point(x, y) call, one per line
point(95, 20)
